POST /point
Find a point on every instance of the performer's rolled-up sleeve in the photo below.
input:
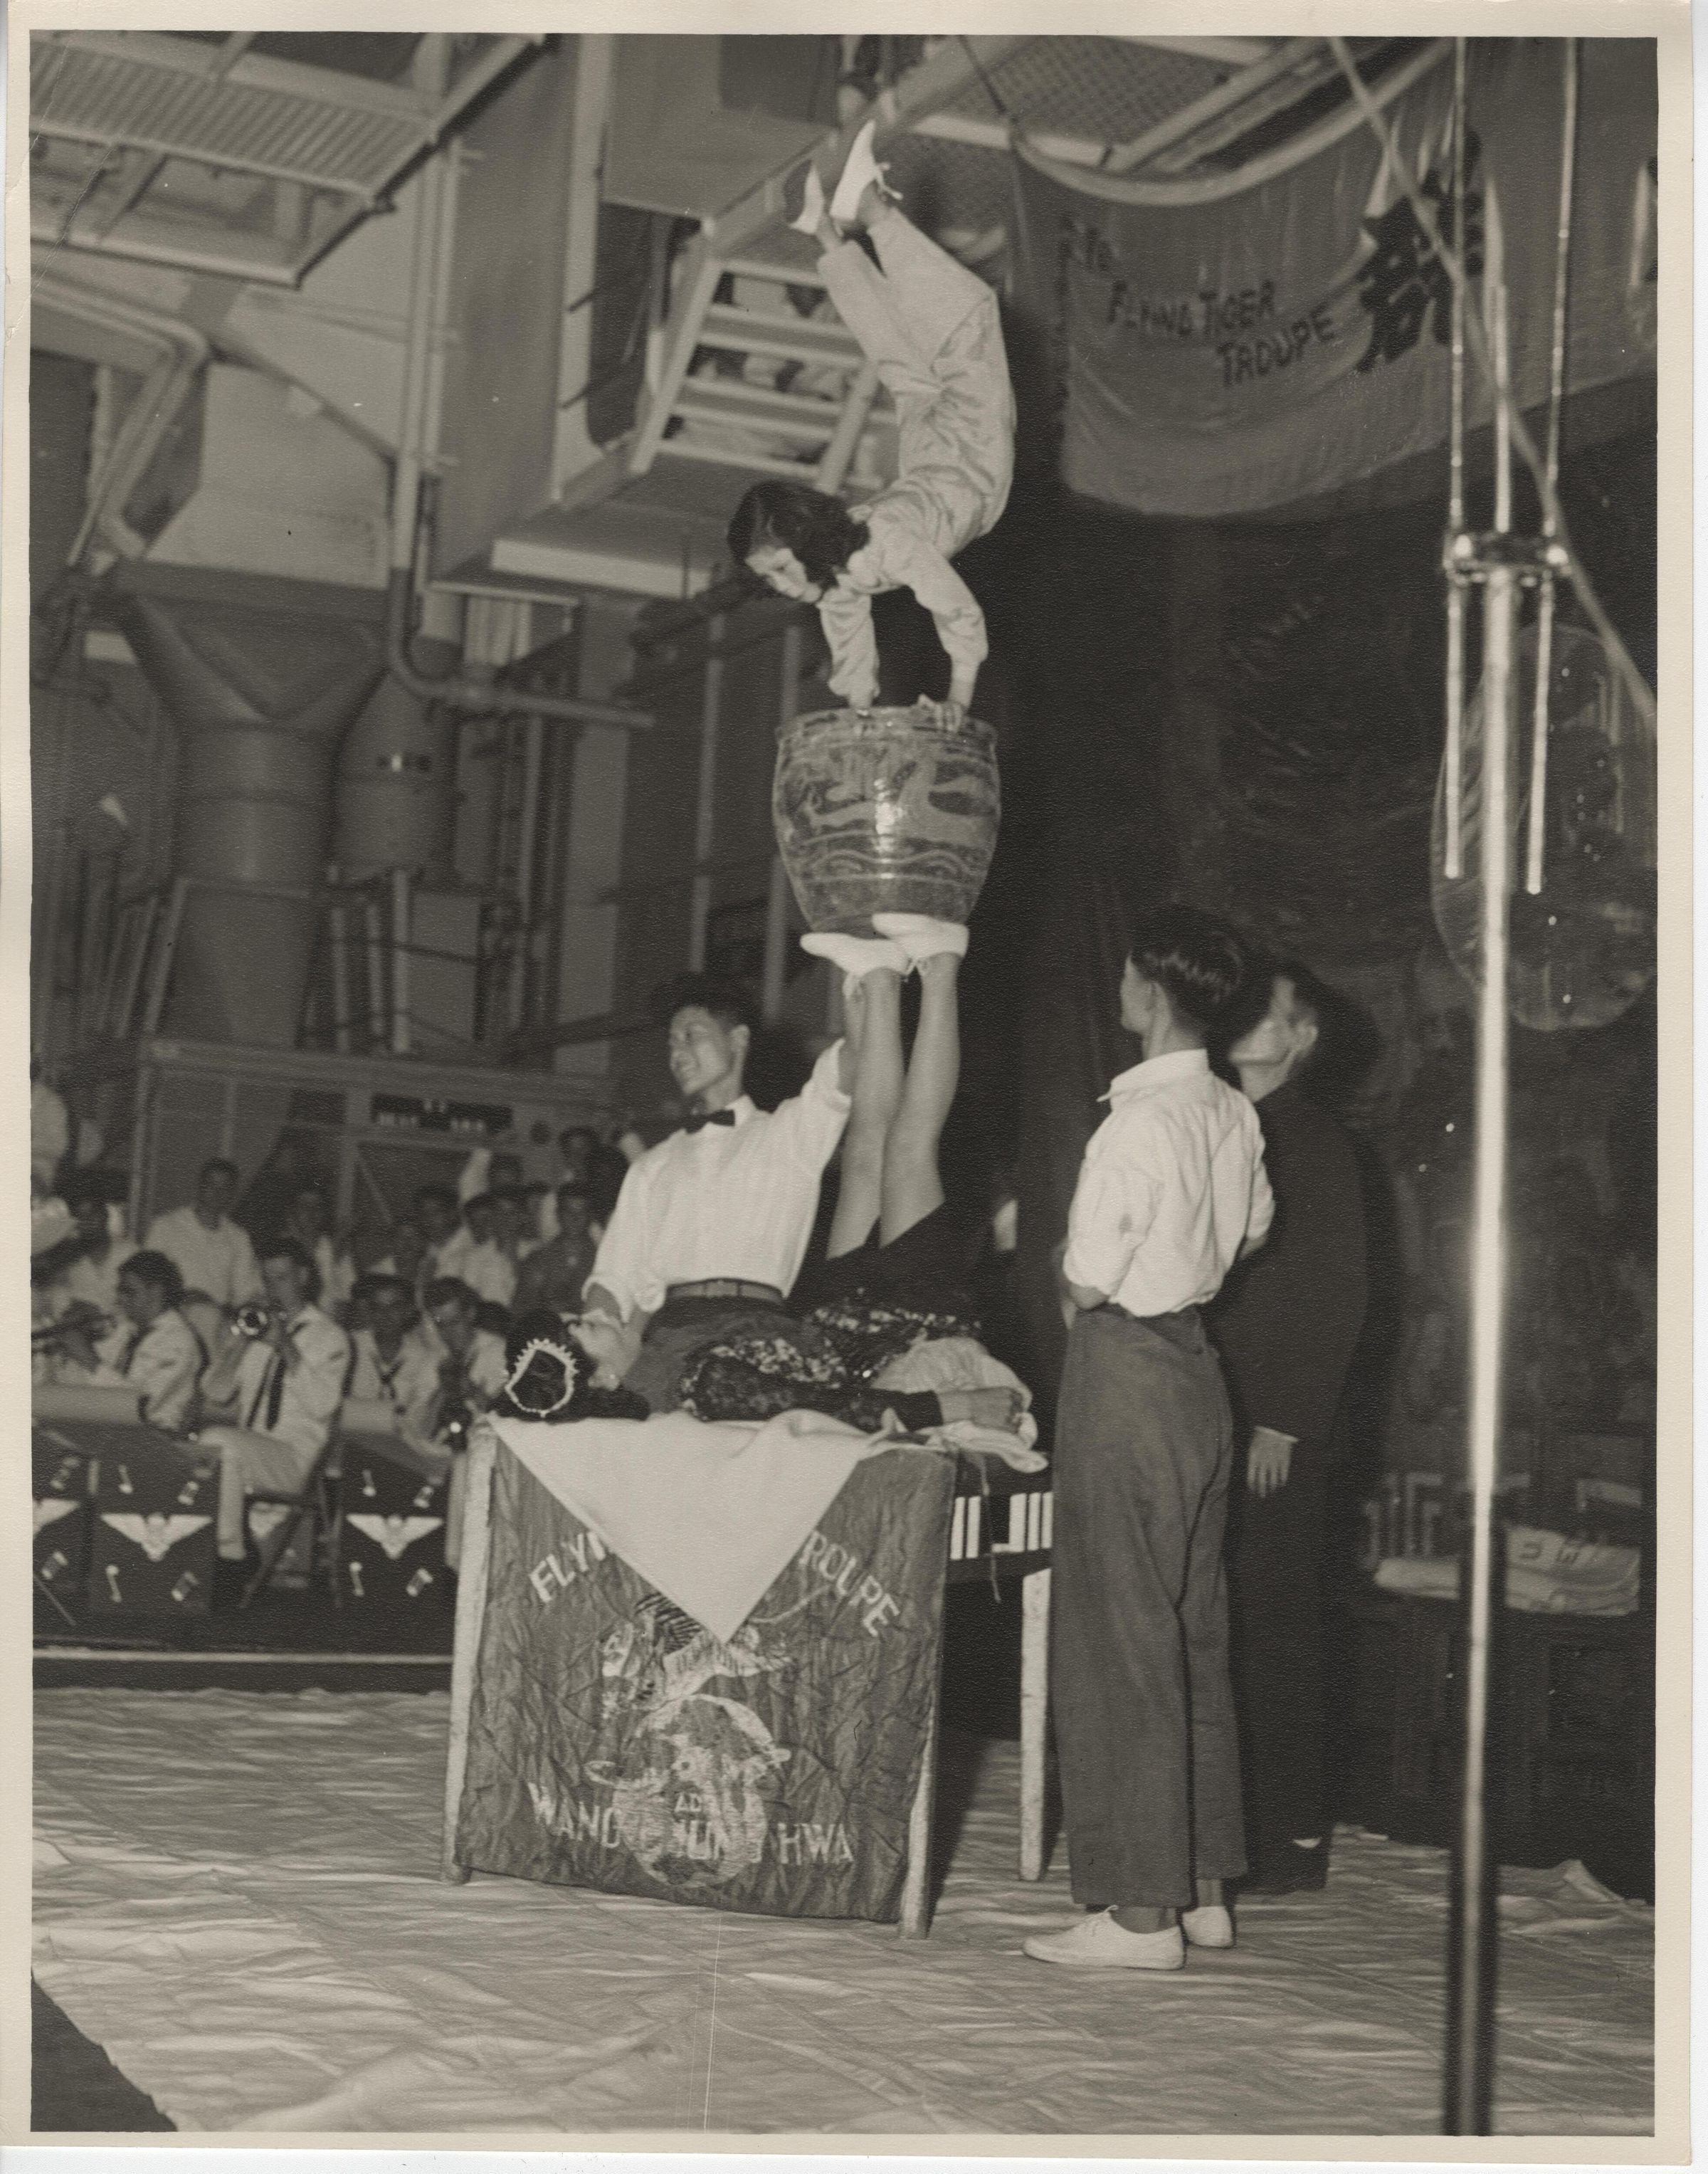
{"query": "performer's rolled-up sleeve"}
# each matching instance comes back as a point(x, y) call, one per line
point(811, 1122)
point(846, 616)
point(622, 1266)
point(1114, 1206)
point(910, 562)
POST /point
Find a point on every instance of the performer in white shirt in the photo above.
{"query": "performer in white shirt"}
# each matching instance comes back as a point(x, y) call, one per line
point(711, 1225)
point(284, 1387)
point(212, 1253)
point(151, 1347)
point(1171, 1192)
point(392, 1361)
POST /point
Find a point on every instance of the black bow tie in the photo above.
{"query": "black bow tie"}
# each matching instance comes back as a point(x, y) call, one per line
point(716, 1117)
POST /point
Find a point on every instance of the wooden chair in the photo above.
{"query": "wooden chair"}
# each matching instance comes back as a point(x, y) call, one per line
point(314, 1501)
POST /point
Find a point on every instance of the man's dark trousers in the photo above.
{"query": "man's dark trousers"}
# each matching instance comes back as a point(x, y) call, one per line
point(1275, 1556)
point(1144, 1714)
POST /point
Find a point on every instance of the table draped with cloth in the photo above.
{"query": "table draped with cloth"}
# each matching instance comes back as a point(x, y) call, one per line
point(698, 1660)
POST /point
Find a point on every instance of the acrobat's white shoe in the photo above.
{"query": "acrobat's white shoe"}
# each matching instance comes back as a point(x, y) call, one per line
point(855, 954)
point(807, 220)
point(1099, 1943)
point(862, 172)
point(1211, 1925)
point(920, 936)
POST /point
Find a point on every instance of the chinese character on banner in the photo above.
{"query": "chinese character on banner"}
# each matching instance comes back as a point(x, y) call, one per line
point(1403, 280)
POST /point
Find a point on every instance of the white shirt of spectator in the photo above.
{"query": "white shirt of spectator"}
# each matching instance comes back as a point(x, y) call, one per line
point(50, 1130)
point(314, 1387)
point(337, 1272)
point(1172, 1188)
point(451, 1257)
point(220, 1262)
point(727, 1200)
point(489, 1272)
point(408, 1382)
point(162, 1363)
point(92, 1283)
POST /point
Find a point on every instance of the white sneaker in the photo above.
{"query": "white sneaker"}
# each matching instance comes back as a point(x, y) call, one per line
point(856, 954)
point(920, 936)
point(1209, 1926)
point(862, 170)
point(806, 220)
point(1099, 1943)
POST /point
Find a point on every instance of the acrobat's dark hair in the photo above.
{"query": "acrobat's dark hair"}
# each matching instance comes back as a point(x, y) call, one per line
point(729, 1002)
point(818, 528)
point(1198, 960)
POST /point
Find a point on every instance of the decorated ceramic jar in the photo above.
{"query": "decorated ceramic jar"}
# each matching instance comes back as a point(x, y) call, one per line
point(885, 811)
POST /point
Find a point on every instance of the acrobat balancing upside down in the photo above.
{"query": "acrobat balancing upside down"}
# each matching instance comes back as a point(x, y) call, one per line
point(931, 330)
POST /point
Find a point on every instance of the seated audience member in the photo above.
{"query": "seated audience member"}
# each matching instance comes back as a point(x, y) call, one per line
point(554, 1275)
point(50, 1130)
point(283, 1386)
point(212, 1253)
point(309, 1223)
point(470, 1373)
point(535, 1200)
point(408, 1257)
point(151, 1349)
point(490, 1267)
point(264, 1209)
point(472, 1377)
point(449, 1238)
point(83, 1270)
point(392, 1361)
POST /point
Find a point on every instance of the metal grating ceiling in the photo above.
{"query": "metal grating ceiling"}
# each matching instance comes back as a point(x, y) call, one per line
point(1107, 89)
point(98, 98)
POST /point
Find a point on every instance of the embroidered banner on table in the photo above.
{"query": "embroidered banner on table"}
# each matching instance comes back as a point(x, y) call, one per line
point(615, 1742)
point(1280, 342)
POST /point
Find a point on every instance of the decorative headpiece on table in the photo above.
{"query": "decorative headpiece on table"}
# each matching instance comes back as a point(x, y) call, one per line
point(549, 1378)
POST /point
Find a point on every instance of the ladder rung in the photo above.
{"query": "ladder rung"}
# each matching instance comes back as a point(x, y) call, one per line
point(783, 275)
point(727, 400)
point(718, 456)
point(754, 332)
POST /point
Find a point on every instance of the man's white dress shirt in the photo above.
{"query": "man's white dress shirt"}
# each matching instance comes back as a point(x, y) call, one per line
point(726, 1200)
point(162, 1363)
point(1171, 1189)
point(220, 1262)
point(489, 1272)
point(313, 1389)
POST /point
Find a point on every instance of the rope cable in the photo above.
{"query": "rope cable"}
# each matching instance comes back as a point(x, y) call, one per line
point(1641, 693)
point(1556, 402)
point(1452, 862)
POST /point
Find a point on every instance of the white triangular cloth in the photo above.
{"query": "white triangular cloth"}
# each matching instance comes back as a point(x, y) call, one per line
point(710, 1513)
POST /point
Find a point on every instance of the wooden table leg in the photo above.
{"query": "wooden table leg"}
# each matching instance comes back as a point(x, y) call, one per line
point(471, 1608)
point(1035, 1710)
point(915, 1895)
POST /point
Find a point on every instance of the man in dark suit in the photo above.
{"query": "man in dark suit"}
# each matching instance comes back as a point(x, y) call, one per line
point(1286, 1324)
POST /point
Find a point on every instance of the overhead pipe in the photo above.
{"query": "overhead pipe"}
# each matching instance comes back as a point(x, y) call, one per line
point(150, 415)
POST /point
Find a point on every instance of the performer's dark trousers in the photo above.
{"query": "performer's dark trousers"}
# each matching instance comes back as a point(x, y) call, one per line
point(1275, 1568)
point(1144, 1713)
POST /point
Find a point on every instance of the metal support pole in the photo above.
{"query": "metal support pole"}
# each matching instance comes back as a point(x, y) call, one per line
point(400, 962)
point(706, 808)
point(1471, 1950)
point(776, 975)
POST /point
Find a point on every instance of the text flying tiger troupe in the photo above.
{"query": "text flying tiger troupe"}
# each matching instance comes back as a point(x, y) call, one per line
point(617, 1742)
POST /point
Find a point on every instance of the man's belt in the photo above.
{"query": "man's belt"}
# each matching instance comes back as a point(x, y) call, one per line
point(725, 1287)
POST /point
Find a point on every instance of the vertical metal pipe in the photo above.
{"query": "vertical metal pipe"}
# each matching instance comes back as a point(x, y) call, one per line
point(1452, 789)
point(706, 811)
point(1472, 1952)
point(777, 889)
point(338, 939)
point(1556, 401)
point(400, 962)
point(373, 931)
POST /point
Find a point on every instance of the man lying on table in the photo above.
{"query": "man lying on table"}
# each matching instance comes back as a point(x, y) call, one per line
point(284, 1386)
point(711, 1225)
